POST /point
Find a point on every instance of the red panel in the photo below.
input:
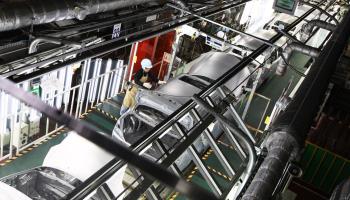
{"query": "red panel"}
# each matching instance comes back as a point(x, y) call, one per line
point(154, 49)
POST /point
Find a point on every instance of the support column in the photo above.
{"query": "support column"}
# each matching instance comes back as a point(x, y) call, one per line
point(173, 55)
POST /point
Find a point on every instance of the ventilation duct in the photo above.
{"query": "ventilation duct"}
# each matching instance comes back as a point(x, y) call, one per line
point(283, 63)
point(307, 28)
point(15, 15)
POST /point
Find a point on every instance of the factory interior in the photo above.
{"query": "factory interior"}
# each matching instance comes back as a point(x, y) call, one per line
point(174, 99)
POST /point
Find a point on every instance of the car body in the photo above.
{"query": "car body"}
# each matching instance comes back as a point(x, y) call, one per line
point(153, 107)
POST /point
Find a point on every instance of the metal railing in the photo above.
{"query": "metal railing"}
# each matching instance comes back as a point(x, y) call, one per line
point(323, 169)
point(22, 126)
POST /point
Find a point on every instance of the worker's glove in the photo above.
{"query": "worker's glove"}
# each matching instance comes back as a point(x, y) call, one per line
point(147, 85)
point(161, 82)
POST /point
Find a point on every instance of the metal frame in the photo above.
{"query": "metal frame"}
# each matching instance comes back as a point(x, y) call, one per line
point(67, 95)
point(243, 138)
point(107, 143)
point(102, 175)
point(222, 25)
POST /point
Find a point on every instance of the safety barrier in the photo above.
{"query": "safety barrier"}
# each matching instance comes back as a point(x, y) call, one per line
point(21, 126)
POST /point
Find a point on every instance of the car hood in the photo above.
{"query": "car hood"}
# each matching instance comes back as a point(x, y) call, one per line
point(178, 90)
point(213, 64)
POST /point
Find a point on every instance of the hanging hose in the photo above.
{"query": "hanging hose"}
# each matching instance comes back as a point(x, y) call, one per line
point(290, 48)
point(307, 28)
point(292, 67)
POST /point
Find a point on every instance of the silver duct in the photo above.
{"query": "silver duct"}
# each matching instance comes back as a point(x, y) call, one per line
point(179, 3)
point(290, 48)
point(307, 28)
point(15, 15)
point(281, 147)
point(342, 191)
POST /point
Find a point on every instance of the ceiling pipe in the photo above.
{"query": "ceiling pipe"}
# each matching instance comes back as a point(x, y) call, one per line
point(307, 28)
point(34, 44)
point(14, 15)
point(290, 48)
point(322, 10)
point(181, 4)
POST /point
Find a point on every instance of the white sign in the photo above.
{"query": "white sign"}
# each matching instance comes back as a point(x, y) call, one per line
point(215, 43)
point(116, 30)
point(151, 18)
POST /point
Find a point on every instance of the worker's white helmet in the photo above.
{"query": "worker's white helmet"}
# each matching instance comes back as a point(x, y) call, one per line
point(146, 63)
point(221, 34)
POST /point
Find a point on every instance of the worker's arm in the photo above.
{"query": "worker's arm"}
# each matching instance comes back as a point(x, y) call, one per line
point(153, 78)
point(137, 78)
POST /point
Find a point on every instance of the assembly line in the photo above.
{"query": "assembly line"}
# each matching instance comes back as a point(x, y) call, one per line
point(108, 107)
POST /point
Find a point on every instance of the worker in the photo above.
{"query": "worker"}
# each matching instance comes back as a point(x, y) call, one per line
point(144, 78)
point(129, 99)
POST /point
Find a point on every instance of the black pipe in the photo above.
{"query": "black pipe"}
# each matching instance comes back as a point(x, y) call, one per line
point(321, 10)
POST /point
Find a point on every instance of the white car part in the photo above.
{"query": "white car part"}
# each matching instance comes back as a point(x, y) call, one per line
point(10, 193)
point(81, 159)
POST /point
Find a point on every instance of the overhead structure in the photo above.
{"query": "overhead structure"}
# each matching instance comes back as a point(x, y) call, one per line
point(14, 15)
point(264, 166)
point(308, 28)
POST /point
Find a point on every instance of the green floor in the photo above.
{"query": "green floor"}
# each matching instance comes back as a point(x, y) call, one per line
point(273, 89)
point(32, 159)
point(104, 116)
point(323, 169)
